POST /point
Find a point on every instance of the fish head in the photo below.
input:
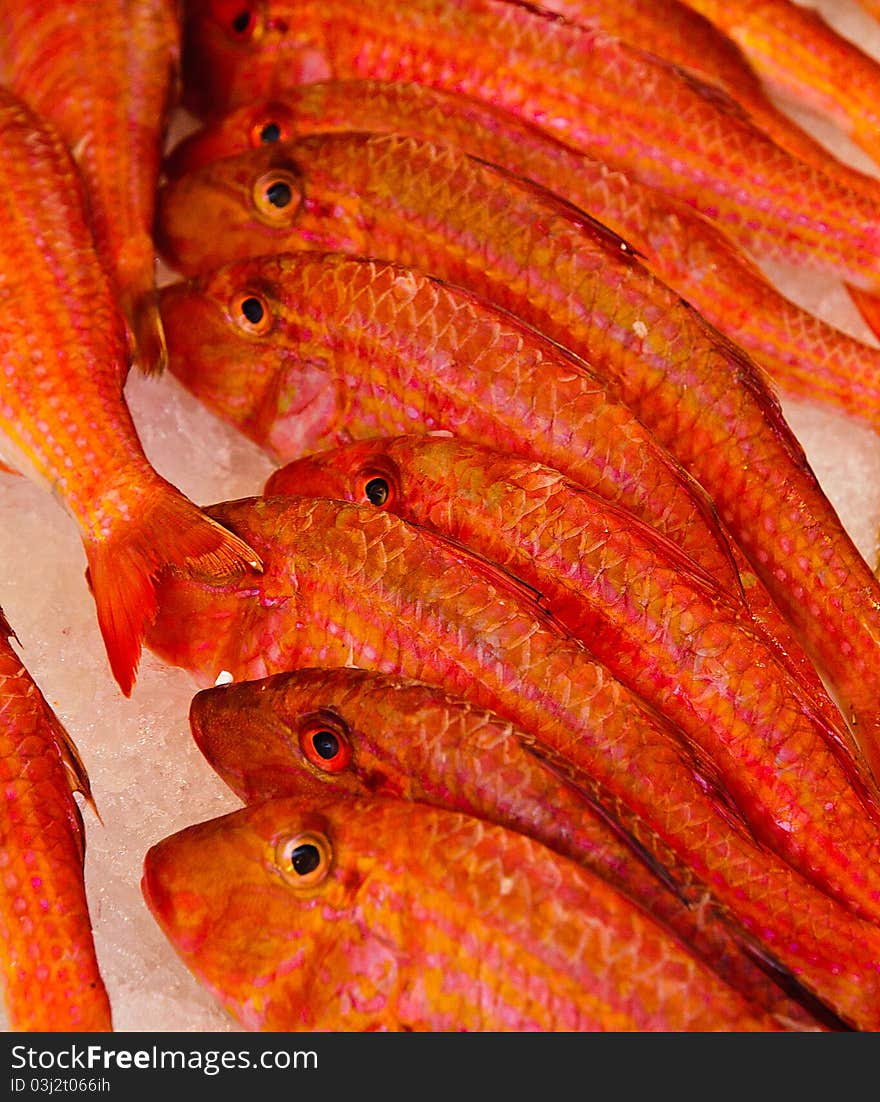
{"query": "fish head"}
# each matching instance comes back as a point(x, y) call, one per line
point(363, 471)
point(299, 611)
point(246, 900)
point(310, 732)
point(231, 343)
point(250, 126)
point(417, 476)
point(239, 51)
point(200, 616)
point(273, 908)
point(302, 194)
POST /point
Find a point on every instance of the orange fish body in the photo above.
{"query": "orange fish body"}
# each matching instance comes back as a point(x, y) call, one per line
point(358, 915)
point(803, 353)
point(522, 248)
point(682, 33)
point(345, 347)
point(348, 585)
point(312, 732)
point(591, 90)
point(582, 720)
point(804, 60)
point(105, 73)
point(63, 417)
point(48, 965)
point(638, 604)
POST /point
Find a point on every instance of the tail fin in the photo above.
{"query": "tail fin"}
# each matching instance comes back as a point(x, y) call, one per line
point(868, 305)
point(150, 351)
point(123, 567)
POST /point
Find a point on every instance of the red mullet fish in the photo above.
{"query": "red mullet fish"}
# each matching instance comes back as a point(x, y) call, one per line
point(350, 731)
point(63, 416)
point(363, 914)
point(48, 965)
point(105, 73)
point(804, 354)
point(547, 262)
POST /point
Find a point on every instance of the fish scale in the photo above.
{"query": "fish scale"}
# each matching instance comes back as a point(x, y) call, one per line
point(63, 417)
point(680, 33)
point(49, 967)
point(704, 399)
point(801, 58)
point(415, 335)
point(670, 130)
point(413, 740)
point(525, 405)
point(635, 602)
point(413, 938)
point(98, 71)
point(427, 615)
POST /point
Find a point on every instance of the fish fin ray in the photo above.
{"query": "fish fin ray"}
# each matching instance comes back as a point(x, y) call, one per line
point(152, 350)
point(591, 791)
point(499, 576)
point(785, 979)
point(75, 770)
point(666, 548)
point(122, 569)
point(6, 629)
point(868, 305)
point(147, 334)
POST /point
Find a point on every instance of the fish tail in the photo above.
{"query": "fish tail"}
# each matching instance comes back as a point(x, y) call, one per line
point(123, 566)
point(150, 351)
point(868, 305)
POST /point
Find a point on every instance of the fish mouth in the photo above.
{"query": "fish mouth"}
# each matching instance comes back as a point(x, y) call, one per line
point(180, 912)
point(201, 710)
point(190, 319)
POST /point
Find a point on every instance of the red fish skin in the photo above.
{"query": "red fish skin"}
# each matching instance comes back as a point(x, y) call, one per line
point(411, 936)
point(48, 965)
point(670, 131)
point(415, 349)
point(401, 600)
point(106, 74)
point(703, 398)
point(352, 348)
point(633, 599)
point(63, 417)
point(413, 741)
point(803, 353)
point(800, 57)
point(822, 943)
point(682, 33)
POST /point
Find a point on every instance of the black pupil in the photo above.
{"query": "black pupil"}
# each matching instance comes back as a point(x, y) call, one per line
point(279, 195)
point(252, 309)
point(377, 491)
point(241, 21)
point(326, 744)
point(305, 859)
point(271, 132)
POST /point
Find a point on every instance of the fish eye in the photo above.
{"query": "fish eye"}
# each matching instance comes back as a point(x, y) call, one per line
point(251, 312)
point(277, 196)
point(304, 859)
point(377, 491)
point(238, 18)
point(275, 123)
point(324, 741)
